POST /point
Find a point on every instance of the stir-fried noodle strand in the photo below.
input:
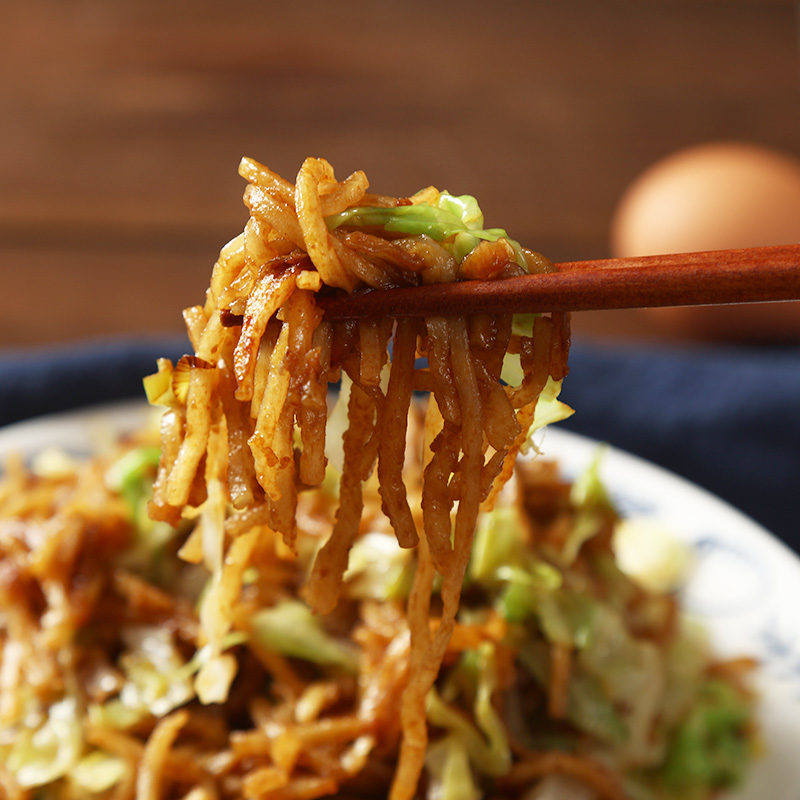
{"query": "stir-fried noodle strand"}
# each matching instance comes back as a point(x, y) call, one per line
point(329, 572)
point(283, 355)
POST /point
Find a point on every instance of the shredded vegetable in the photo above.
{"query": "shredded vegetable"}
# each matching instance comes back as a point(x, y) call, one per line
point(398, 596)
point(644, 697)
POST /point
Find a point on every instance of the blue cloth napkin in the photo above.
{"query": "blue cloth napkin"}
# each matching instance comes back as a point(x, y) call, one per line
point(37, 381)
point(725, 418)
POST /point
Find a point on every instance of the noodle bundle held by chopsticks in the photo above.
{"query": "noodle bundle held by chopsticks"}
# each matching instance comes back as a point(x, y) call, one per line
point(247, 414)
point(286, 593)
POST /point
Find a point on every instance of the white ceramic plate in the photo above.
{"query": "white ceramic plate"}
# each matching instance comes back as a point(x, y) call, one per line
point(744, 584)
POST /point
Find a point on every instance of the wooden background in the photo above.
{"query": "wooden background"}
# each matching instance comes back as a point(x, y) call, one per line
point(122, 123)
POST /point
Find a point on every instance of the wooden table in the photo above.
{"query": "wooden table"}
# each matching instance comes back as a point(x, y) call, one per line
point(122, 123)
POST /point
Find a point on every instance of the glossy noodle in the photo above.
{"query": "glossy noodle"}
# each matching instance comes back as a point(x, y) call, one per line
point(256, 392)
point(331, 570)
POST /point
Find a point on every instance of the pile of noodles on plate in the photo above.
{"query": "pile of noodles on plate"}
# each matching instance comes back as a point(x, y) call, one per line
point(377, 600)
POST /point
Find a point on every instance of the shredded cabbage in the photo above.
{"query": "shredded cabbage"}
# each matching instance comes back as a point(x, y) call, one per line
point(44, 752)
point(447, 763)
point(456, 221)
point(337, 425)
point(156, 679)
point(290, 628)
point(131, 476)
point(709, 748)
point(525, 588)
point(588, 492)
point(98, 771)
point(158, 387)
point(631, 673)
point(651, 554)
point(500, 558)
point(497, 544)
point(378, 568)
point(53, 463)
point(549, 410)
point(686, 662)
point(646, 709)
point(487, 744)
point(591, 710)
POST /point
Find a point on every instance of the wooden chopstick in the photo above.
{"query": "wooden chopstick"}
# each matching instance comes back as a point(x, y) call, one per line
point(718, 277)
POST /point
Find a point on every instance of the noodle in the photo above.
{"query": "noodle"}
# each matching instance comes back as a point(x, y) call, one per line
point(156, 754)
point(466, 360)
point(194, 669)
point(592, 774)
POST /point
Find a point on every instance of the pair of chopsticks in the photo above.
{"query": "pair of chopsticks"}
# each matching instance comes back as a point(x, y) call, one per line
point(719, 277)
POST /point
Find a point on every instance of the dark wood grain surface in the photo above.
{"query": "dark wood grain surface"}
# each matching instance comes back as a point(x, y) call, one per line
point(122, 124)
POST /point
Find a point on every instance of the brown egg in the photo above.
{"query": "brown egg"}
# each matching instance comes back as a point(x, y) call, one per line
point(709, 197)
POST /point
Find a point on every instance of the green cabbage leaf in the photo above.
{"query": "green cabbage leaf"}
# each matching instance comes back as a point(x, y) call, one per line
point(710, 749)
point(455, 220)
point(290, 628)
point(485, 741)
